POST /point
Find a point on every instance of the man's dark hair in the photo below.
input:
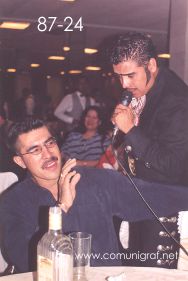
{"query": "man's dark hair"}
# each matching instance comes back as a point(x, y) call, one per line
point(18, 128)
point(132, 46)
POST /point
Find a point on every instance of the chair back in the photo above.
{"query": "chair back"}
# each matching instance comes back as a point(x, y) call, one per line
point(6, 180)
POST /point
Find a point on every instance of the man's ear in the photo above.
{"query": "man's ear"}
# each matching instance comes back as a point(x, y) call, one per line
point(152, 65)
point(18, 160)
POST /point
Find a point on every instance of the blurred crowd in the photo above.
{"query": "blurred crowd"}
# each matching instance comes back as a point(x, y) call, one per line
point(81, 120)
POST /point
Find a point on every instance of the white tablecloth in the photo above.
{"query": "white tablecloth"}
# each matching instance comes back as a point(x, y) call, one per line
point(132, 274)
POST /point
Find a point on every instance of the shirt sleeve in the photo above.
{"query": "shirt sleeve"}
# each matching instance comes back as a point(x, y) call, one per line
point(64, 106)
point(106, 142)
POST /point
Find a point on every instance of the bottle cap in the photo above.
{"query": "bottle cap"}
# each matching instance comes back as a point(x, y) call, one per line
point(55, 218)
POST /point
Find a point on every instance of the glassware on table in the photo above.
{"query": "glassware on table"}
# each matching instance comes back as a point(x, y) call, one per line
point(81, 242)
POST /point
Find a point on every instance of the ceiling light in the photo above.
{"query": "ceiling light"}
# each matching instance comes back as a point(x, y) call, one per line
point(11, 69)
point(67, 0)
point(48, 76)
point(94, 68)
point(35, 65)
point(90, 51)
point(14, 25)
point(56, 58)
point(62, 72)
point(66, 48)
point(75, 71)
point(164, 56)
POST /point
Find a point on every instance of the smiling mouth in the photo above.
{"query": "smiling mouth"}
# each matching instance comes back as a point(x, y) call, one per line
point(50, 163)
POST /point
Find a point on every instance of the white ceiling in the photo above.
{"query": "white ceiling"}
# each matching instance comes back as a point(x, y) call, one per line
point(101, 19)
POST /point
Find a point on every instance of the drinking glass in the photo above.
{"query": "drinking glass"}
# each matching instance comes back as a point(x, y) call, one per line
point(81, 242)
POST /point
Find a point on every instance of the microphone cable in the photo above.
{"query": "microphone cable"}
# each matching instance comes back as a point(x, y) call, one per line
point(142, 197)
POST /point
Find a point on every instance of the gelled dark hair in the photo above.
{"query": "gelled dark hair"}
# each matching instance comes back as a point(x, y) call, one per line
point(18, 128)
point(132, 46)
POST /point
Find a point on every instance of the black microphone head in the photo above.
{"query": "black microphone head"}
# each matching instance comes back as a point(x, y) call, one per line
point(126, 98)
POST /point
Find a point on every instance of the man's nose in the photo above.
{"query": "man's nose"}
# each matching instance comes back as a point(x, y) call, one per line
point(45, 152)
point(125, 82)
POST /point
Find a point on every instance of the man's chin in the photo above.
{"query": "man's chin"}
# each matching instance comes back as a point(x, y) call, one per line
point(137, 94)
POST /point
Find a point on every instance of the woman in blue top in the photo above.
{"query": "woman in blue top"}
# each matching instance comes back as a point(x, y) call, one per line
point(89, 142)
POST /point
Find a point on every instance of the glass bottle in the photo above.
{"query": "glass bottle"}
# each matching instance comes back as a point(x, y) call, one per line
point(54, 251)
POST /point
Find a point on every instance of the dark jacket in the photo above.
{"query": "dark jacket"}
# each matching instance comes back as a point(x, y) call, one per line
point(160, 142)
point(160, 150)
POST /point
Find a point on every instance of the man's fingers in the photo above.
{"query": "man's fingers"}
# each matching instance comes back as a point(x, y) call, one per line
point(75, 179)
point(67, 167)
point(69, 163)
point(69, 177)
point(69, 188)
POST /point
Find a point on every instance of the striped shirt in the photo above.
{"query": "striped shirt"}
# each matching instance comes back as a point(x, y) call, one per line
point(75, 146)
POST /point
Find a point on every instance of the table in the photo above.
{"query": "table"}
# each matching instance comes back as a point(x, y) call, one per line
point(132, 274)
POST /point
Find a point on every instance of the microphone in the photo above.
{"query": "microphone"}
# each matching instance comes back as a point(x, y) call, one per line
point(126, 99)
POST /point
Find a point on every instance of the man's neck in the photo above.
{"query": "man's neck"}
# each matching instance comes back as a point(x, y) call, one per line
point(152, 81)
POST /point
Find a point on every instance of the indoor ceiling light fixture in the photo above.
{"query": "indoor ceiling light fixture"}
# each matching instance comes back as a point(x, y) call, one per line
point(11, 69)
point(66, 49)
point(93, 68)
point(164, 56)
point(62, 72)
point(56, 58)
point(75, 71)
point(35, 65)
point(14, 25)
point(90, 51)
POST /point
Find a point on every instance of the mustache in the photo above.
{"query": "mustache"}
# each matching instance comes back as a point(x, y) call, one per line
point(52, 158)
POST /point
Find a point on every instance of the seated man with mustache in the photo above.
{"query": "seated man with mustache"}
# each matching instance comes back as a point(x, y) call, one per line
point(100, 194)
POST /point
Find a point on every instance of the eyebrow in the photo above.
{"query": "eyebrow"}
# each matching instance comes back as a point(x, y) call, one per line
point(122, 74)
point(34, 146)
point(50, 138)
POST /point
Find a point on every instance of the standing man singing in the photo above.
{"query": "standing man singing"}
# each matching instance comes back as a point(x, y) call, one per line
point(155, 126)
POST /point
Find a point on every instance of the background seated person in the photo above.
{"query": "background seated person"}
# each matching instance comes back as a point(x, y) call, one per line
point(89, 142)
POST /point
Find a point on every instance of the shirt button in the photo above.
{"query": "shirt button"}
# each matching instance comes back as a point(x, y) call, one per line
point(147, 165)
point(128, 148)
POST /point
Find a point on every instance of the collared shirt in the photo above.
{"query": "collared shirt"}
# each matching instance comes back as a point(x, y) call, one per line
point(66, 105)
